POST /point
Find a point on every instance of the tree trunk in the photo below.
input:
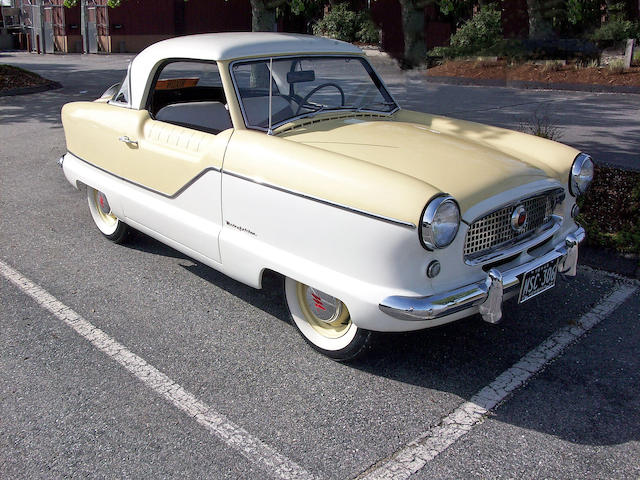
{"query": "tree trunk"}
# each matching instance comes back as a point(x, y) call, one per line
point(539, 25)
point(415, 49)
point(263, 16)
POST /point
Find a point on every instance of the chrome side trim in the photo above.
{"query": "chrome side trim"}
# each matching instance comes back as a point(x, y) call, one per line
point(487, 293)
point(505, 251)
point(321, 200)
point(249, 179)
point(174, 195)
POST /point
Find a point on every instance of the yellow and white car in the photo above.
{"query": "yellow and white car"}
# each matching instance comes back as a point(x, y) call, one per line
point(265, 151)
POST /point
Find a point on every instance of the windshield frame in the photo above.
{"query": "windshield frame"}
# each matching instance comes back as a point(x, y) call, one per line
point(375, 78)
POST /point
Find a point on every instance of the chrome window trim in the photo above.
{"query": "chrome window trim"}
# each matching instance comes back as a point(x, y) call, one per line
point(341, 206)
point(306, 115)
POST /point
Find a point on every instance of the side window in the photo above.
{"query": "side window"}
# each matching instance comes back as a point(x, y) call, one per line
point(190, 94)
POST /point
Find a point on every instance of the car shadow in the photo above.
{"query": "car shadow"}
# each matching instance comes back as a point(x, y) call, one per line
point(464, 356)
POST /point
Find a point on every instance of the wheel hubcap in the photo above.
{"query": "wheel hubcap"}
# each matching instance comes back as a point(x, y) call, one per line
point(326, 314)
point(103, 209)
point(103, 204)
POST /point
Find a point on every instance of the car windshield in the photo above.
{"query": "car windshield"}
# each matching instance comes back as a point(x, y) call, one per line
point(303, 86)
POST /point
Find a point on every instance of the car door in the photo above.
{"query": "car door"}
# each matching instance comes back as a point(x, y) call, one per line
point(174, 152)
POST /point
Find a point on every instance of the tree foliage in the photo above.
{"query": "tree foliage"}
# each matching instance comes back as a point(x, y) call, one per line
point(482, 31)
point(344, 24)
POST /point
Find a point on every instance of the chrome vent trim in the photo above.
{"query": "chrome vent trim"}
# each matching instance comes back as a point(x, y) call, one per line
point(492, 232)
point(334, 117)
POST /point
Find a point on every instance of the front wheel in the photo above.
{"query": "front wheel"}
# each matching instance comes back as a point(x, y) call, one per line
point(325, 322)
point(110, 226)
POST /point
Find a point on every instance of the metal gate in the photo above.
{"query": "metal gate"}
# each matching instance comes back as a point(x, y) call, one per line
point(32, 24)
point(95, 26)
point(52, 24)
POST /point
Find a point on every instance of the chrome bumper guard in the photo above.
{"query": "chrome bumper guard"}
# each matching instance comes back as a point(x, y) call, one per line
point(487, 294)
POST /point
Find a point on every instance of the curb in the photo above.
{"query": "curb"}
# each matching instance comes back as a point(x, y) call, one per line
point(495, 82)
point(609, 261)
point(27, 90)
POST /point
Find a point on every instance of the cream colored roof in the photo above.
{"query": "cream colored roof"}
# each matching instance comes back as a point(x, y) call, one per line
point(226, 46)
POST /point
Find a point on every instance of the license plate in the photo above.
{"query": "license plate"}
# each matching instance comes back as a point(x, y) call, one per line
point(538, 280)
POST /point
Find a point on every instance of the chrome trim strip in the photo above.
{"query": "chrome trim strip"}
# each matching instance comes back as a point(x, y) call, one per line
point(335, 115)
point(500, 252)
point(182, 189)
point(496, 282)
point(323, 201)
point(249, 179)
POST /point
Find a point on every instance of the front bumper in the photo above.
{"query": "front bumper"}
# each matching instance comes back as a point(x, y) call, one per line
point(487, 294)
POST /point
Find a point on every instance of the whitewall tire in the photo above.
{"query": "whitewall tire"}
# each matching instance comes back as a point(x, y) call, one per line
point(110, 226)
point(324, 322)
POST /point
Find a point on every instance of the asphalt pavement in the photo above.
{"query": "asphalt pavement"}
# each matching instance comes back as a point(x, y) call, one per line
point(68, 409)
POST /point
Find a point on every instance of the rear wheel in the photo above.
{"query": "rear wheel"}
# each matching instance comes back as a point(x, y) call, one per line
point(324, 322)
point(110, 226)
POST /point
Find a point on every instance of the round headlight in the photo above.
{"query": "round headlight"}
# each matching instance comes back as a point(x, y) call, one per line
point(581, 174)
point(440, 222)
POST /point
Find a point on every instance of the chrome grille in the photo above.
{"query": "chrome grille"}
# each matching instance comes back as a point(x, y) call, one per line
point(494, 230)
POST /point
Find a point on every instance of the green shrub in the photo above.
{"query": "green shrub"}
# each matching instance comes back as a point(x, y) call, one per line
point(505, 48)
point(482, 31)
point(610, 210)
point(617, 28)
point(367, 32)
point(343, 24)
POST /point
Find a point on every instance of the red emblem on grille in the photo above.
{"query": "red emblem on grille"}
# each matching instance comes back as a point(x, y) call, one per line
point(519, 219)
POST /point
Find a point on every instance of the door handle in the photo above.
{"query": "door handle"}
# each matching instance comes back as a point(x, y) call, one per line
point(128, 141)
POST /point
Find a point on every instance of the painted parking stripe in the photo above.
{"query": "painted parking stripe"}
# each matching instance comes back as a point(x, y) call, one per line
point(252, 448)
point(415, 455)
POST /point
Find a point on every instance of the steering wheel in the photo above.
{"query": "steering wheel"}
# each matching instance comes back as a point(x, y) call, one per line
point(306, 98)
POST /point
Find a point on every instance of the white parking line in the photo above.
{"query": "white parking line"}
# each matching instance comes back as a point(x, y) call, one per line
point(415, 455)
point(232, 435)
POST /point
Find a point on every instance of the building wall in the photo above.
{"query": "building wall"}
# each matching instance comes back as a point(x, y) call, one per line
point(201, 16)
point(137, 24)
